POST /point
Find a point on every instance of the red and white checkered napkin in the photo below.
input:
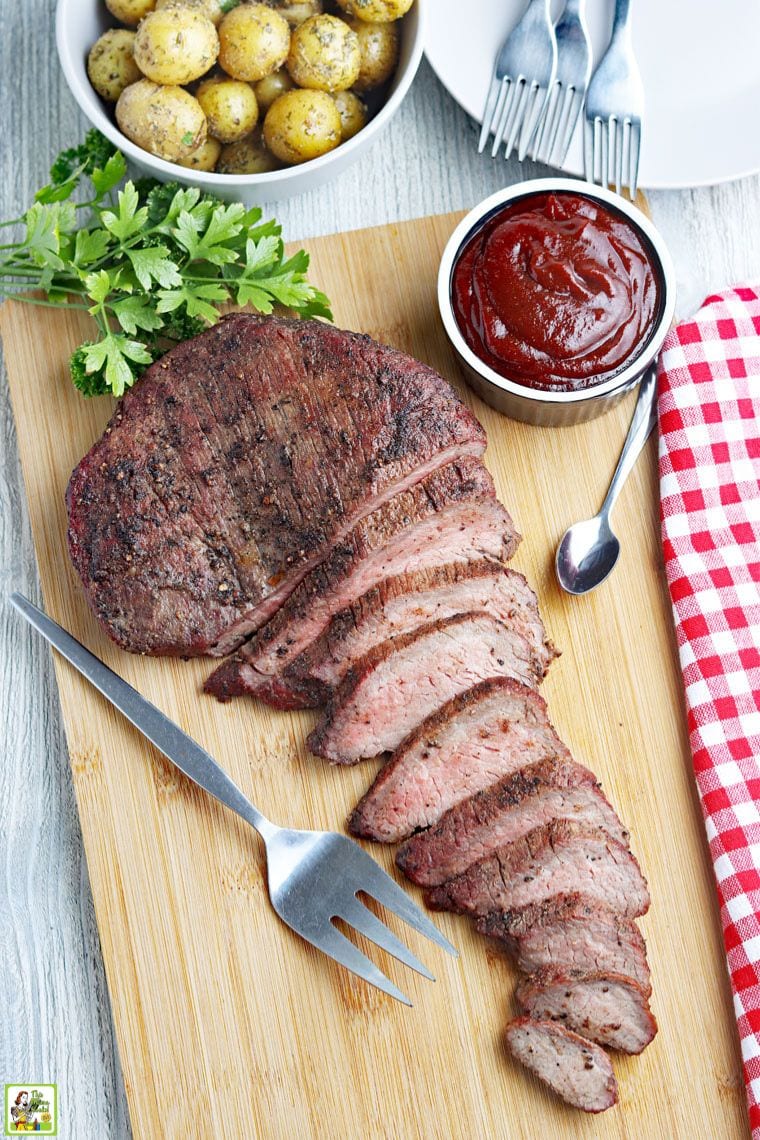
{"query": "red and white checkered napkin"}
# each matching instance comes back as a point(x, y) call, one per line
point(709, 419)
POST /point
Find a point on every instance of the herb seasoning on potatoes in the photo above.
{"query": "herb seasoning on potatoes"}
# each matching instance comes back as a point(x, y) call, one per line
point(255, 41)
point(161, 118)
point(230, 108)
point(175, 45)
point(213, 9)
point(240, 87)
point(111, 63)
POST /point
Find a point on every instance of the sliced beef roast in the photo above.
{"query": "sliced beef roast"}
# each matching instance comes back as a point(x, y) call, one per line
point(401, 682)
point(452, 516)
point(401, 604)
point(611, 1009)
point(488, 731)
point(559, 856)
point(576, 1069)
point(572, 931)
point(508, 810)
point(236, 463)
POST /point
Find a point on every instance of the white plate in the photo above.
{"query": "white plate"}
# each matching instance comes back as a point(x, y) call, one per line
point(700, 63)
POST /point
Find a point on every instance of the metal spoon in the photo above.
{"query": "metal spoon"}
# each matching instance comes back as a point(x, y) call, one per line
point(589, 550)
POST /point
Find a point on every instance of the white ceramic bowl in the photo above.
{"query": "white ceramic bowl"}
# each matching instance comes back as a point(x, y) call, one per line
point(79, 23)
point(534, 405)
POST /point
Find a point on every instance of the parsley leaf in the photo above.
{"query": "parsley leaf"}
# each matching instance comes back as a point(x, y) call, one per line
point(130, 219)
point(205, 240)
point(195, 299)
point(111, 358)
point(111, 174)
point(90, 245)
point(90, 155)
point(46, 226)
point(98, 286)
point(167, 200)
point(152, 264)
point(135, 313)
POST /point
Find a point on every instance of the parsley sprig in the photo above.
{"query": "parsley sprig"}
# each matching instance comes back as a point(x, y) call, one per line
point(151, 262)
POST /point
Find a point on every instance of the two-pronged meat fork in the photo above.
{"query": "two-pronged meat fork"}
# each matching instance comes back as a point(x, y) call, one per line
point(314, 876)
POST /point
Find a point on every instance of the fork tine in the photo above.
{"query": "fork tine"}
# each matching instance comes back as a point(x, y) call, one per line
point(332, 942)
point(604, 134)
point(588, 149)
point(598, 154)
point(501, 114)
point(368, 924)
point(545, 130)
point(633, 156)
point(563, 139)
point(518, 114)
point(488, 113)
point(550, 123)
point(622, 136)
point(388, 893)
point(534, 112)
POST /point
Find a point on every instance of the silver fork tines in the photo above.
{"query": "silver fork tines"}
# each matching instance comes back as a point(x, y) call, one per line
point(568, 90)
point(614, 111)
point(522, 76)
point(314, 877)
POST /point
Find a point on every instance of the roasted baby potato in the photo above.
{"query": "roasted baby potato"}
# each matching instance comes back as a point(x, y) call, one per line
point(111, 63)
point(271, 87)
point(376, 11)
point(205, 157)
point(296, 11)
point(249, 156)
point(211, 8)
point(130, 11)
point(301, 125)
point(378, 44)
point(230, 107)
point(175, 45)
point(353, 113)
point(324, 54)
point(165, 120)
point(254, 42)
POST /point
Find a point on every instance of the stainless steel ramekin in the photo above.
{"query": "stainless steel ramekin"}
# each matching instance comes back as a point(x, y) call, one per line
point(554, 409)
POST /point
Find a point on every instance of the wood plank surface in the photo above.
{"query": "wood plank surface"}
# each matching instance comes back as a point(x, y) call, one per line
point(254, 1032)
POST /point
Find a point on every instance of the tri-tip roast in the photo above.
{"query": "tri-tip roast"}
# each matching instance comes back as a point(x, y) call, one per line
point(237, 464)
point(574, 932)
point(397, 685)
point(573, 1067)
point(505, 812)
point(559, 856)
point(316, 504)
point(482, 735)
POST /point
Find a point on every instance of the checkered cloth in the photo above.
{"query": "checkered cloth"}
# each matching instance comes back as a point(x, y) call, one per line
point(709, 419)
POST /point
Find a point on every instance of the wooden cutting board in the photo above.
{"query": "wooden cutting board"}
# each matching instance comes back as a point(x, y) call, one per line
point(227, 1023)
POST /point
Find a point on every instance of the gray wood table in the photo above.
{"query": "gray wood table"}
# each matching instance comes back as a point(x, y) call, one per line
point(55, 1023)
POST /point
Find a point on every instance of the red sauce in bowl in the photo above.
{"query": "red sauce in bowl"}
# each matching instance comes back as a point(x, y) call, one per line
point(556, 291)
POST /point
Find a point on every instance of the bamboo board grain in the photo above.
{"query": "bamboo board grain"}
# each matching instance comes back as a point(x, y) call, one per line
point(226, 1022)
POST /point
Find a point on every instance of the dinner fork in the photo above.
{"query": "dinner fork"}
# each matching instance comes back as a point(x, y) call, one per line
point(568, 89)
point(522, 75)
point(314, 876)
point(614, 111)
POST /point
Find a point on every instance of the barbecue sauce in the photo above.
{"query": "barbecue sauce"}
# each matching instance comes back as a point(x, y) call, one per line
point(556, 292)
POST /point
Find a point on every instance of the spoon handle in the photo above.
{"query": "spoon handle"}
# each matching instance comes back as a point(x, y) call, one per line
point(644, 419)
